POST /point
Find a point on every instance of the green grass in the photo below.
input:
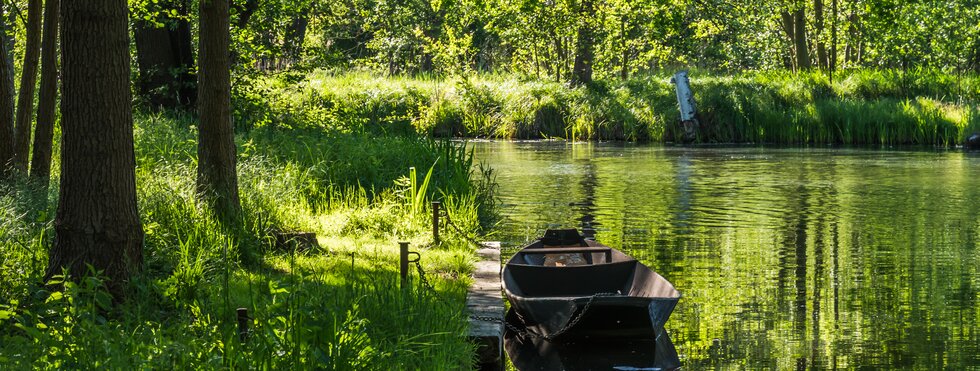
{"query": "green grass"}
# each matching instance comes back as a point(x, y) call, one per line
point(877, 107)
point(336, 307)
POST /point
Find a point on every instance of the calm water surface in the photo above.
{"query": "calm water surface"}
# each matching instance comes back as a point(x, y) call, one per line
point(787, 258)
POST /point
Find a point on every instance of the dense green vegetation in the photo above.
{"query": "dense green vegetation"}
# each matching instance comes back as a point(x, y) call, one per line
point(333, 103)
point(338, 306)
point(887, 107)
point(542, 38)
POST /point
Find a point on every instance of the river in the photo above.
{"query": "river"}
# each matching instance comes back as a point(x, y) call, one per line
point(787, 258)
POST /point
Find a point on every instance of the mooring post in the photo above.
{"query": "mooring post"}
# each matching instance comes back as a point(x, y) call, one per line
point(685, 101)
point(243, 324)
point(404, 262)
point(435, 221)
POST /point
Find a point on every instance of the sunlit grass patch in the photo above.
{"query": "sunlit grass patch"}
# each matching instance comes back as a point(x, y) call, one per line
point(759, 107)
point(309, 309)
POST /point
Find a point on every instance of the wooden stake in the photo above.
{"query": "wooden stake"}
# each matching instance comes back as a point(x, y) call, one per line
point(243, 324)
point(435, 221)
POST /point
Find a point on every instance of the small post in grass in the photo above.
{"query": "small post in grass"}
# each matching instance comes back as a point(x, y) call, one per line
point(243, 324)
point(435, 222)
point(403, 246)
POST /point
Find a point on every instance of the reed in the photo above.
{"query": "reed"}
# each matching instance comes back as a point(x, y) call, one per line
point(876, 107)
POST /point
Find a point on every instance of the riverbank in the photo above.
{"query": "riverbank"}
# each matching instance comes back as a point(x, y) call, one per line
point(334, 306)
point(869, 107)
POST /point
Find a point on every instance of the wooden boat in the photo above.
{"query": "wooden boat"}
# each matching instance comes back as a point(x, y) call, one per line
point(565, 286)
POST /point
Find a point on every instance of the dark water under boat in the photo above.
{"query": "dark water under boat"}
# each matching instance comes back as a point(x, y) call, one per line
point(787, 258)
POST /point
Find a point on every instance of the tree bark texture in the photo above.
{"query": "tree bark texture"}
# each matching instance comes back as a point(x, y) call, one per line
point(818, 27)
point(9, 18)
point(582, 67)
point(6, 108)
point(217, 178)
point(47, 96)
point(97, 222)
point(802, 48)
point(165, 58)
point(28, 80)
point(786, 21)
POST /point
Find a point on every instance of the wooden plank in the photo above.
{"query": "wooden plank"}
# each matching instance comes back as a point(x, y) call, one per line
point(485, 300)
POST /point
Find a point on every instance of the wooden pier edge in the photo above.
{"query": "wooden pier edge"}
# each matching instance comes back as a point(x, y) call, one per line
point(485, 300)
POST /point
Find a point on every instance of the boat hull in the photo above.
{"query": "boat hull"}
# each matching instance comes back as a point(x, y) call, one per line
point(600, 316)
point(612, 295)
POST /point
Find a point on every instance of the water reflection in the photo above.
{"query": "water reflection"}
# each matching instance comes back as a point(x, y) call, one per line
point(788, 258)
point(529, 353)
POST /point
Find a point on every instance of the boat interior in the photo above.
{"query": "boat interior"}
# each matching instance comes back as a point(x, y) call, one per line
point(627, 278)
point(601, 270)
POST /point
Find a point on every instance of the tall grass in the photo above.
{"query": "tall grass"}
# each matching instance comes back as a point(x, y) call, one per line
point(336, 307)
point(880, 107)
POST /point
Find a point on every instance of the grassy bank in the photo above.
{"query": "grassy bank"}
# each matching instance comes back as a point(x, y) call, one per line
point(858, 107)
point(336, 307)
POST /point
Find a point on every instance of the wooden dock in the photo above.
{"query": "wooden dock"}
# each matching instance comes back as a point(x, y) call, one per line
point(485, 300)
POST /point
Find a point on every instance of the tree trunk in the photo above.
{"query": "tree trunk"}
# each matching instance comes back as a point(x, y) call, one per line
point(833, 41)
point(28, 80)
point(851, 50)
point(97, 222)
point(973, 52)
point(296, 34)
point(559, 55)
point(217, 179)
point(624, 71)
point(582, 68)
point(245, 11)
point(802, 49)
point(166, 61)
point(8, 20)
point(6, 106)
point(47, 97)
point(790, 30)
point(818, 34)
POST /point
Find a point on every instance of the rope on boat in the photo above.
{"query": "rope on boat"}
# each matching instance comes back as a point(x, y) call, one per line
point(568, 326)
point(526, 331)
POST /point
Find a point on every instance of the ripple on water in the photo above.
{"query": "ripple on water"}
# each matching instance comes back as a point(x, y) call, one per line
point(787, 258)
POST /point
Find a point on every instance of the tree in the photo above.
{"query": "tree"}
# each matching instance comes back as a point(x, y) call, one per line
point(97, 223)
point(217, 178)
point(164, 53)
point(44, 129)
point(794, 25)
point(582, 69)
point(28, 80)
point(818, 31)
point(245, 9)
point(296, 33)
point(6, 106)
